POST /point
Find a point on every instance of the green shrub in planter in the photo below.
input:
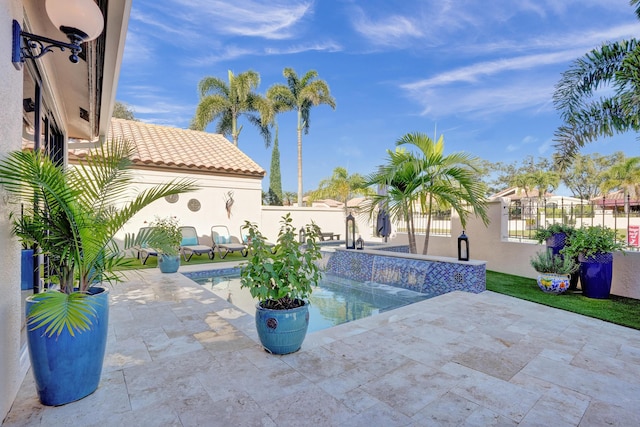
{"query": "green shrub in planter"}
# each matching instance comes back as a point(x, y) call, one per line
point(546, 262)
point(591, 241)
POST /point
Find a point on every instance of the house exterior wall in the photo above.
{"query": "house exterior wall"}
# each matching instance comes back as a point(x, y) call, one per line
point(212, 196)
point(11, 374)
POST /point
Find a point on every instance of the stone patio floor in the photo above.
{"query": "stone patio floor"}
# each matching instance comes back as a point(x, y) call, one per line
point(180, 356)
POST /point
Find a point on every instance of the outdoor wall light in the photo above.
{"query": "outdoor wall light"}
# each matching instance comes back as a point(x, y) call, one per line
point(463, 247)
point(80, 20)
point(302, 238)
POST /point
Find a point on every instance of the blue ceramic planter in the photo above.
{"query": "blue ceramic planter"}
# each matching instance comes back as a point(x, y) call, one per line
point(556, 243)
point(169, 263)
point(282, 331)
point(26, 270)
point(595, 275)
point(554, 283)
point(68, 368)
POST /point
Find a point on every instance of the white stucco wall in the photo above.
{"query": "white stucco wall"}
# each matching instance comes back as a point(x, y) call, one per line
point(11, 374)
point(328, 219)
point(247, 195)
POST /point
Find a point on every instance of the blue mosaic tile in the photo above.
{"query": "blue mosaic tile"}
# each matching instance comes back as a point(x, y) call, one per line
point(424, 276)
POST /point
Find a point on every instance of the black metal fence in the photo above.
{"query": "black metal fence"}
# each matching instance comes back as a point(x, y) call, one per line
point(440, 223)
point(526, 216)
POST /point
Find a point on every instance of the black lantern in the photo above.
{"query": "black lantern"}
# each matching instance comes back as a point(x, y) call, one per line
point(350, 235)
point(463, 247)
point(301, 235)
point(360, 243)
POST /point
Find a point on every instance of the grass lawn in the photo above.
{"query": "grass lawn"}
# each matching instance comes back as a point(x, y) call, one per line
point(620, 310)
point(152, 262)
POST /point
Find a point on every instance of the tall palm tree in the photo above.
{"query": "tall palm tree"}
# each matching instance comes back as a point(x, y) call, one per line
point(227, 102)
point(300, 94)
point(341, 186)
point(426, 180)
point(586, 118)
point(446, 181)
point(625, 176)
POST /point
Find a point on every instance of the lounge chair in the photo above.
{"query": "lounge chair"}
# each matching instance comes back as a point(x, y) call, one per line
point(224, 241)
point(190, 245)
point(245, 240)
point(144, 252)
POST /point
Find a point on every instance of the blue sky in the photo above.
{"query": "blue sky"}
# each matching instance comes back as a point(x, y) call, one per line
point(481, 73)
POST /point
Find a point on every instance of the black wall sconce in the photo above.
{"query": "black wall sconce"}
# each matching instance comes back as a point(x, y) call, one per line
point(80, 20)
point(302, 236)
point(360, 243)
point(463, 247)
point(350, 235)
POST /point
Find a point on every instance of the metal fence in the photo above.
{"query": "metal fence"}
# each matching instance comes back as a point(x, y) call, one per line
point(526, 216)
point(440, 223)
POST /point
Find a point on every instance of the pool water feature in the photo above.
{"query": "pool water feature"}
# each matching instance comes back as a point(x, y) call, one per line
point(334, 301)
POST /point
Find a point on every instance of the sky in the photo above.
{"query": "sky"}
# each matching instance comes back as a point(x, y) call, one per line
point(480, 73)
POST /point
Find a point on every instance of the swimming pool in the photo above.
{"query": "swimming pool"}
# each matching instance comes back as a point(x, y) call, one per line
point(334, 301)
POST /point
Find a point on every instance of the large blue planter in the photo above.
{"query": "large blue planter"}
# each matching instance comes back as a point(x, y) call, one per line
point(595, 275)
point(68, 368)
point(282, 331)
point(168, 263)
point(26, 270)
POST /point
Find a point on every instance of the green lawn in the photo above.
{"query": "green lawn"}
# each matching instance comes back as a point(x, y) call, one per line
point(619, 310)
point(152, 262)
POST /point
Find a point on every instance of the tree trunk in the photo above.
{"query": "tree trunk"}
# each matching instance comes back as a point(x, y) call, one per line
point(300, 158)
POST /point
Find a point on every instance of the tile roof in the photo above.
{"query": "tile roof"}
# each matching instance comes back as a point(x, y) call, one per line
point(182, 149)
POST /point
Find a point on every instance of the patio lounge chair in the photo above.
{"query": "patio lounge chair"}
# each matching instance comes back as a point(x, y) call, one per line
point(190, 245)
point(144, 252)
point(222, 240)
point(245, 240)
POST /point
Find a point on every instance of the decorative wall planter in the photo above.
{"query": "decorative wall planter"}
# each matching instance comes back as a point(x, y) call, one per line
point(282, 331)
point(168, 263)
point(596, 273)
point(554, 283)
point(67, 368)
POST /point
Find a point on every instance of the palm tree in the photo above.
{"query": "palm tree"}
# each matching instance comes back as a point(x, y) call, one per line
point(585, 118)
point(427, 180)
point(341, 186)
point(300, 94)
point(626, 176)
point(227, 102)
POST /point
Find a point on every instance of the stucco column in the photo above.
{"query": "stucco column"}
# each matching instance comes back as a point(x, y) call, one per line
point(10, 139)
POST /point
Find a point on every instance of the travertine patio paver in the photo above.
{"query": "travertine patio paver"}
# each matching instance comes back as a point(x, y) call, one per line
point(180, 356)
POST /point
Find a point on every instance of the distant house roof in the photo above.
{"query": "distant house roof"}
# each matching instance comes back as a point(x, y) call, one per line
point(615, 198)
point(329, 203)
point(516, 193)
point(164, 147)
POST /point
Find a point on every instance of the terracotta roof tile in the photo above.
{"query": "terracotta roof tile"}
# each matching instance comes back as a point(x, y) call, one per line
point(184, 149)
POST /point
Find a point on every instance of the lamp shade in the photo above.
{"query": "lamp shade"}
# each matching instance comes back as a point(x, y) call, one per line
point(82, 18)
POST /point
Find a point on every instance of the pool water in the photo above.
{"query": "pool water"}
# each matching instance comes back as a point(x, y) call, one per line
point(334, 301)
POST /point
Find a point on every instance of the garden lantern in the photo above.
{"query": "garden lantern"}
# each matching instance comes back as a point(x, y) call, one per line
point(301, 235)
point(360, 243)
point(463, 247)
point(350, 235)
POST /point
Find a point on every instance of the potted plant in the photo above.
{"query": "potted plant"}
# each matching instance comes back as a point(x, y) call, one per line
point(594, 247)
point(167, 243)
point(554, 271)
point(281, 278)
point(556, 236)
point(72, 215)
